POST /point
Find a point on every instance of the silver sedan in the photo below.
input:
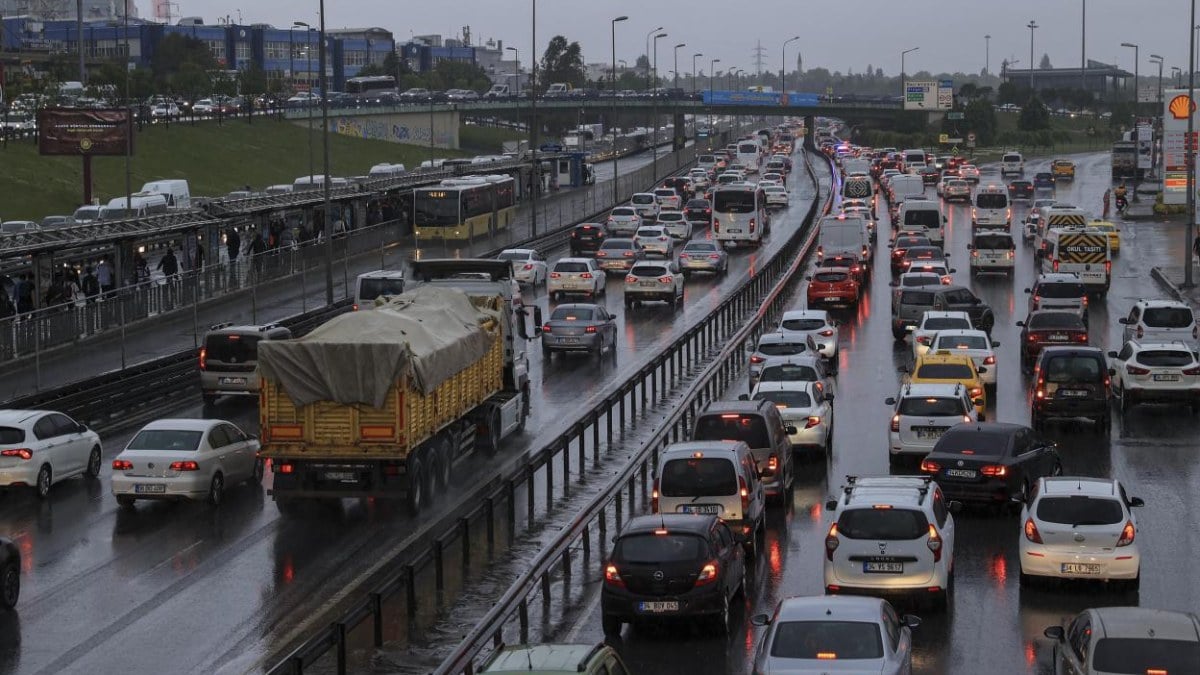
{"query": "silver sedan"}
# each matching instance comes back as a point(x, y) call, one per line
point(579, 327)
point(703, 256)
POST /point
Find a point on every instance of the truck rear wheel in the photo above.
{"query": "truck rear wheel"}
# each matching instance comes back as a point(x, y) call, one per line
point(490, 440)
point(416, 485)
point(444, 463)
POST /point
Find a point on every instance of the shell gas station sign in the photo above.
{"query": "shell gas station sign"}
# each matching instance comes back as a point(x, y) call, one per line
point(1177, 109)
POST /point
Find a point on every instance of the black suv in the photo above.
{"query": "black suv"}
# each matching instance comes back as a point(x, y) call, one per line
point(994, 463)
point(672, 566)
point(1069, 383)
point(961, 299)
point(586, 239)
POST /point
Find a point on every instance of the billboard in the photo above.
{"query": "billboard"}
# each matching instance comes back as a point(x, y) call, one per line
point(758, 98)
point(1177, 109)
point(84, 131)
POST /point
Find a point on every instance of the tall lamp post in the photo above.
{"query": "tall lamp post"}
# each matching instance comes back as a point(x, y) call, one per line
point(1190, 154)
point(903, 54)
point(533, 121)
point(676, 80)
point(1136, 63)
point(694, 57)
point(309, 101)
point(1177, 72)
point(1032, 26)
point(612, 123)
point(648, 55)
point(1083, 48)
point(324, 80)
point(654, 97)
point(516, 71)
point(1155, 58)
point(783, 73)
point(711, 131)
point(987, 54)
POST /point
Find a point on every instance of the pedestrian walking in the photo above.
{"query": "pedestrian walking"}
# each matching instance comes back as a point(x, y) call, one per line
point(169, 264)
point(104, 275)
point(90, 285)
point(141, 269)
point(257, 248)
point(23, 291)
point(1107, 196)
point(233, 244)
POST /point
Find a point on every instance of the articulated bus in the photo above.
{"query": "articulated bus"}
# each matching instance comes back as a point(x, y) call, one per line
point(463, 208)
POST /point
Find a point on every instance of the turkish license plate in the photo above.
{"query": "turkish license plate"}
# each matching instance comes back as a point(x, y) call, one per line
point(871, 567)
point(568, 340)
point(231, 380)
point(647, 284)
point(961, 473)
point(1073, 393)
point(1057, 338)
point(702, 509)
point(1166, 378)
point(340, 475)
point(145, 489)
point(659, 606)
point(734, 231)
point(832, 300)
point(1082, 568)
point(928, 433)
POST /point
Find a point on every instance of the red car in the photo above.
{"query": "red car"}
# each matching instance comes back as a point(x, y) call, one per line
point(832, 286)
point(1049, 328)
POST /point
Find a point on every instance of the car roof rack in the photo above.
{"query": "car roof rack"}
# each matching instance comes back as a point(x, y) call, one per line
point(221, 326)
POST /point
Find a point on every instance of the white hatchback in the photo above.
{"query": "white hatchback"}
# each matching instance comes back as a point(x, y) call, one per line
point(818, 324)
point(804, 406)
point(39, 448)
point(1155, 372)
point(656, 240)
point(1080, 528)
point(529, 266)
point(921, 413)
point(973, 343)
point(931, 323)
point(825, 634)
point(1161, 321)
point(576, 276)
point(675, 223)
point(646, 204)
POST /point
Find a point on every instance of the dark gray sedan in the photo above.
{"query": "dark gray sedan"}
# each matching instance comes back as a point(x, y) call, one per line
point(579, 327)
point(703, 256)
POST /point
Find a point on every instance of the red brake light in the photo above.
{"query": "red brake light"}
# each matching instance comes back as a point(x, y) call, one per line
point(930, 466)
point(828, 332)
point(666, 279)
point(1192, 371)
point(590, 329)
point(654, 498)
point(895, 423)
point(935, 543)
point(555, 275)
point(23, 453)
point(585, 275)
point(831, 541)
point(744, 494)
point(813, 420)
point(122, 465)
point(924, 339)
point(1127, 534)
point(1134, 370)
point(1031, 531)
point(284, 468)
point(757, 359)
point(612, 576)
point(204, 356)
point(991, 360)
point(708, 573)
point(994, 470)
point(546, 328)
point(185, 466)
point(528, 266)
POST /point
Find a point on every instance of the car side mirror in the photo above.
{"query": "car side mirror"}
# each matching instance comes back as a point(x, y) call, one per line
point(808, 278)
point(1112, 355)
point(952, 271)
point(978, 402)
point(911, 621)
point(945, 219)
point(790, 430)
point(831, 505)
point(891, 400)
point(970, 247)
point(1135, 502)
point(954, 506)
point(829, 398)
point(1055, 633)
point(743, 397)
point(1112, 372)
point(1021, 324)
point(981, 370)
point(1124, 321)
point(760, 620)
point(81, 428)
point(537, 320)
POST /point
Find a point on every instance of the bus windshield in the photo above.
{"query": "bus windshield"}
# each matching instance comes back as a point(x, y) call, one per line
point(436, 207)
point(734, 201)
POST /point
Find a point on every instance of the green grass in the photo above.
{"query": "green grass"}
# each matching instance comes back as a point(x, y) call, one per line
point(487, 140)
point(214, 159)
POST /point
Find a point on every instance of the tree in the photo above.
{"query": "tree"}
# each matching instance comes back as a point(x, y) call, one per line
point(1008, 92)
point(174, 50)
point(562, 62)
point(252, 80)
point(1034, 116)
point(642, 65)
point(1044, 64)
point(980, 117)
point(191, 81)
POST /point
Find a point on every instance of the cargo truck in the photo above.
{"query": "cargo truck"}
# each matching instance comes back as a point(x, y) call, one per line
point(1124, 159)
point(384, 404)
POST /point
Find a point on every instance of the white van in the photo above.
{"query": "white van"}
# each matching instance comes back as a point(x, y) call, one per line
point(860, 187)
point(712, 478)
point(739, 215)
point(914, 158)
point(370, 286)
point(646, 204)
point(140, 205)
point(90, 213)
point(992, 251)
point(498, 91)
point(385, 169)
point(856, 165)
point(991, 209)
point(316, 182)
point(902, 187)
point(844, 235)
point(748, 153)
point(1012, 163)
point(176, 190)
point(923, 216)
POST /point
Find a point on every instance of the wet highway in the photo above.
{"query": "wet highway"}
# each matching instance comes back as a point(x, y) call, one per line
point(992, 626)
point(182, 588)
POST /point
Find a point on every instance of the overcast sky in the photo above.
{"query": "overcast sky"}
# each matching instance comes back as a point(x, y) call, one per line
point(839, 35)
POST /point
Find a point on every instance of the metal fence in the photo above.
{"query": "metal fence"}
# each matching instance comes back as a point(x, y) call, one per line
point(31, 334)
point(466, 534)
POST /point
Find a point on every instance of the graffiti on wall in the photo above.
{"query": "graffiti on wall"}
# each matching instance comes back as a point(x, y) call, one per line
point(390, 131)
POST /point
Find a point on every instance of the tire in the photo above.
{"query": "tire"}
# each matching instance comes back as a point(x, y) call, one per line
point(1126, 403)
point(93, 465)
point(898, 334)
point(216, 490)
point(1135, 583)
point(125, 501)
point(611, 625)
point(491, 442)
point(260, 467)
point(10, 584)
point(600, 350)
point(445, 465)
point(41, 486)
point(547, 355)
point(415, 500)
point(1027, 580)
point(720, 622)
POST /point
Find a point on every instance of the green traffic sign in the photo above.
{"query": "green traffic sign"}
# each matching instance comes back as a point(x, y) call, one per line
point(955, 116)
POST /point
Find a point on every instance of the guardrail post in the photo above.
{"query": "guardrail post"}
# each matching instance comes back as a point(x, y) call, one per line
point(653, 386)
point(438, 569)
point(596, 439)
point(523, 614)
point(512, 511)
point(377, 619)
point(633, 402)
point(530, 496)
point(583, 451)
point(410, 590)
point(464, 525)
point(603, 525)
point(566, 563)
point(545, 595)
point(632, 495)
point(620, 508)
point(339, 636)
point(490, 508)
point(587, 544)
point(566, 463)
point(296, 665)
point(645, 407)
point(621, 401)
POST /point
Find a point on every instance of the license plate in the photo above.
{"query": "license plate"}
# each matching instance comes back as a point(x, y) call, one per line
point(659, 606)
point(647, 284)
point(144, 489)
point(231, 380)
point(883, 567)
point(832, 300)
point(1082, 568)
point(702, 509)
point(1073, 393)
point(339, 475)
point(1166, 378)
point(734, 231)
point(929, 433)
point(961, 473)
point(568, 340)
point(1057, 338)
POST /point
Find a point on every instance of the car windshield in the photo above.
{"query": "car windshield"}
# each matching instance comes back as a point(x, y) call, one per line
point(840, 640)
point(1080, 510)
point(888, 524)
point(648, 271)
point(623, 212)
point(1167, 317)
point(993, 242)
point(1055, 320)
point(165, 439)
point(697, 204)
point(944, 371)
point(802, 324)
point(642, 199)
point(1060, 290)
point(373, 287)
point(700, 248)
point(573, 314)
point(671, 216)
point(650, 232)
point(513, 255)
point(570, 267)
point(946, 323)
point(786, 399)
point(751, 429)
point(698, 477)
point(916, 298)
point(657, 548)
point(232, 348)
point(936, 406)
point(830, 277)
point(1165, 358)
point(734, 201)
point(788, 372)
point(970, 441)
point(781, 348)
point(962, 342)
point(11, 436)
point(1146, 655)
point(617, 244)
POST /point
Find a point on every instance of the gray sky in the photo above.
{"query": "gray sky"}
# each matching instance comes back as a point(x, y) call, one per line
point(839, 35)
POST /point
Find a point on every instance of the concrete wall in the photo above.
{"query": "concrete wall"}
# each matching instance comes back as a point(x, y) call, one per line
point(412, 128)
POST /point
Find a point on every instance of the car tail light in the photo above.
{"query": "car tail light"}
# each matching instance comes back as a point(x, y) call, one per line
point(590, 329)
point(585, 275)
point(753, 225)
point(925, 339)
point(1107, 266)
point(714, 256)
point(744, 494)
point(820, 251)
point(974, 254)
point(934, 543)
point(864, 252)
point(612, 576)
point(1135, 370)
point(895, 423)
point(528, 266)
point(708, 573)
point(1192, 371)
point(189, 465)
point(1140, 332)
point(23, 453)
point(546, 328)
point(683, 256)
point(286, 468)
point(1011, 255)
point(1031, 531)
point(654, 498)
point(122, 465)
point(757, 359)
point(1037, 300)
point(773, 463)
point(828, 332)
point(1055, 265)
point(831, 541)
point(1082, 337)
point(976, 392)
point(204, 356)
point(1127, 534)
point(930, 466)
point(994, 470)
point(630, 279)
point(662, 238)
point(813, 420)
point(555, 275)
point(665, 280)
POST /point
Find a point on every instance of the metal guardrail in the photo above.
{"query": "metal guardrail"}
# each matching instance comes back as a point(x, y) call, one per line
point(481, 509)
point(620, 498)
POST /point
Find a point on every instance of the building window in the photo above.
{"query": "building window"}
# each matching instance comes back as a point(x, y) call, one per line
point(356, 58)
point(277, 50)
point(242, 51)
point(217, 47)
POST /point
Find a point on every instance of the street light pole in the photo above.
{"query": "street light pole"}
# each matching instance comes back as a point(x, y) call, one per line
point(1190, 154)
point(1136, 64)
point(1178, 73)
point(1032, 26)
point(612, 123)
point(308, 103)
point(325, 163)
point(1155, 58)
point(654, 97)
point(533, 123)
point(648, 55)
point(711, 131)
point(903, 54)
point(987, 54)
point(676, 81)
point(694, 57)
point(783, 73)
point(1083, 48)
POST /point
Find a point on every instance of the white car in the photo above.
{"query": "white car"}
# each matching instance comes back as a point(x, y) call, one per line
point(932, 322)
point(921, 413)
point(777, 196)
point(1080, 528)
point(668, 198)
point(576, 276)
point(973, 343)
point(1161, 321)
point(699, 179)
point(914, 280)
point(818, 324)
point(177, 459)
point(777, 344)
point(654, 280)
point(940, 268)
point(675, 223)
point(646, 204)
point(1127, 640)
point(890, 535)
point(804, 406)
point(39, 448)
point(654, 239)
point(624, 221)
point(1155, 372)
point(204, 106)
point(529, 266)
point(821, 634)
point(773, 177)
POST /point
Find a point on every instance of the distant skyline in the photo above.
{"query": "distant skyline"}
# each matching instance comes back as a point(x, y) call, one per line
point(843, 36)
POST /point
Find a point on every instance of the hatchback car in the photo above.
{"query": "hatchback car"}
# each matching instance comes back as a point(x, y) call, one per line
point(672, 566)
point(777, 344)
point(914, 256)
point(804, 406)
point(1161, 321)
point(900, 244)
point(579, 327)
point(890, 536)
point(185, 459)
point(1080, 528)
point(624, 221)
point(993, 463)
point(1044, 328)
point(529, 266)
point(556, 659)
point(1020, 189)
point(818, 324)
point(1061, 291)
point(703, 256)
point(676, 224)
point(668, 198)
point(718, 478)
point(228, 360)
point(576, 276)
point(1043, 181)
point(698, 211)
point(586, 239)
point(39, 448)
point(619, 254)
point(1155, 372)
point(1127, 640)
point(931, 323)
point(956, 189)
point(653, 280)
point(646, 204)
point(655, 240)
point(921, 413)
point(844, 634)
point(832, 286)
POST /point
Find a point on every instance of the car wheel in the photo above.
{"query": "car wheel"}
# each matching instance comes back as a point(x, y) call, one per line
point(611, 625)
point(1027, 580)
point(600, 350)
point(125, 501)
point(10, 584)
point(216, 490)
point(415, 500)
point(259, 468)
point(546, 353)
point(445, 466)
point(42, 484)
point(93, 465)
point(210, 400)
point(720, 622)
point(1126, 401)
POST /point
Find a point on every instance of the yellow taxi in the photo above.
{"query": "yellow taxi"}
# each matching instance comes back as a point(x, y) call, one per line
point(1063, 168)
point(946, 367)
point(1113, 232)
